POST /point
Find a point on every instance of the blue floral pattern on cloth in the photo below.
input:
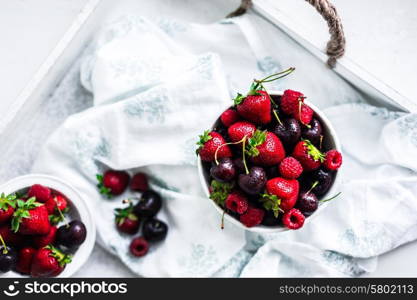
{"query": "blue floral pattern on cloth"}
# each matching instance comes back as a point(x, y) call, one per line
point(408, 128)
point(199, 259)
point(153, 106)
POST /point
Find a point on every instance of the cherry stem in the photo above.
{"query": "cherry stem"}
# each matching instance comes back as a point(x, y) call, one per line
point(61, 214)
point(5, 251)
point(313, 186)
point(244, 155)
point(279, 74)
point(321, 141)
point(325, 200)
point(222, 223)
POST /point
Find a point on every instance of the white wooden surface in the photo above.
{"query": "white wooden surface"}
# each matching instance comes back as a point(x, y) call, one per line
point(30, 30)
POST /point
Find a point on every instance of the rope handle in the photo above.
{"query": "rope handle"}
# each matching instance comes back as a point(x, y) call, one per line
point(336, 45)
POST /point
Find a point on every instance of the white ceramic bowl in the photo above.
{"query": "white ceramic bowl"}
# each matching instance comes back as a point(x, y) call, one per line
point(331, 141)
point(78, 210)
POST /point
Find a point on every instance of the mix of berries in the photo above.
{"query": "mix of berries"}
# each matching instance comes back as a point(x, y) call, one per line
point(137, 212)
point(267, 158)
point(35, 236)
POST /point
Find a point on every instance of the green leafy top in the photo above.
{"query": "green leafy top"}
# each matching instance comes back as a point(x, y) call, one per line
point(220, 191)
point(238, 99)
point(103, 189)
point(315, 153)
point(123, 213)
point(62, 258)
point(257, 139)
point(7, 201)
point(271, 202)
point(204, 138)
point(22, 211)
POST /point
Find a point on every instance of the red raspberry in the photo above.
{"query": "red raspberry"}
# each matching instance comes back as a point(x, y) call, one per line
point(290, 101)
point(40, 192)
point(293, 219)
point(229, 116)
point(139, 182)
point(306, 114)
point(252, 217)
point(139, 247)
point(333, 160)
point(237, 202)
point(290, 168)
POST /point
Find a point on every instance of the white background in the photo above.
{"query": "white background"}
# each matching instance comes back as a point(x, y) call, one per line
point(30, 29)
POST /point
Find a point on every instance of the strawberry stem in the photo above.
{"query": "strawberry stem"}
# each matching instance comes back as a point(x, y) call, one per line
point(331, 198)
point(5, 251)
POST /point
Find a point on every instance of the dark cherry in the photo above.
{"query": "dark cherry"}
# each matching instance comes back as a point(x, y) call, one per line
point(8, 258)
point(71, 235)
point(289, 132)
point(149, 204)
point(225, 171)
point(307, 203)
point(154, 230)
point(325, 179)
point(272, 172)
point(270, 220)
point(240, 167)
point(254, 182)
point(313, 133)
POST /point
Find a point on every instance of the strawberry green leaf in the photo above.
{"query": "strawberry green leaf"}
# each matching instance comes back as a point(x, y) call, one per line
point(271, 202)
point(103, 189)
point(315, 153)
point(238, 99)
point(220, 191)
point(123, 213)
point(22, 211)
point(204, 138)
point(7, 201)
point(257, 139)
point(254, 88)
point(62, 258)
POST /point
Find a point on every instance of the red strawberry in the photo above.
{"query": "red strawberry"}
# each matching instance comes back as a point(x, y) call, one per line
point(290, 168)
point(308, 155)
point(265, 148)
point(7, 206)
point(237, 202)
point(24, 260)
point(304, 114)
point(11, 238)
point(293, 219)
point(290, 101)
point(56, 202)
point(31, 218)
point(113, 183)
point(252, 217)
point(333, 160)
point(239, 130)
point(49, 262)
point(281, 194)
point(208, 144)
point(41, 241)
point(40, 192)
point(126, 220)
point(139, 182)
point(229, 116)
point(255, 107)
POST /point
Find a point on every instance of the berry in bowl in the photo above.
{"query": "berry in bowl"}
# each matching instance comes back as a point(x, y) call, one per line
point(46, 229)
point(269, 162)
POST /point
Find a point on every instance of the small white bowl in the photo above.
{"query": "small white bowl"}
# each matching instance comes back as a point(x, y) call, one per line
point(331, 141)
point(78, 210)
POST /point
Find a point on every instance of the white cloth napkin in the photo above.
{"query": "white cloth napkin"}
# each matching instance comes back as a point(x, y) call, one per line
point(157, 85)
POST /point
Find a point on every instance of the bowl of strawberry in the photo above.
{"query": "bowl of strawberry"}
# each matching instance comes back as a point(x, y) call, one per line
point(270, 162)
point(46, 229)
